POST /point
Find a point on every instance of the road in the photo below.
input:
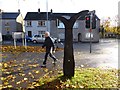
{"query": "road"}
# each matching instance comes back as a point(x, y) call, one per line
point(104, 54)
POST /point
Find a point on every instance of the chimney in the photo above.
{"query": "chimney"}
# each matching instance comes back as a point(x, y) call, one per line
point(39, 10)
point(1, 10)
point(18, 10)
point(51, 11)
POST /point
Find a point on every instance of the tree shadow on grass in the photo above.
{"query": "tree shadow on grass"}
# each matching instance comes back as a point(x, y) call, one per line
point(54, 85)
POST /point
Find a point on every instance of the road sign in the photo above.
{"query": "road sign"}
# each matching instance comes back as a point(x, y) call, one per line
point(19, 35)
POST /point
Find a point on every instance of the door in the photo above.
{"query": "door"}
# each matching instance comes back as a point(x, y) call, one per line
point(79, 37)
point(29, 33)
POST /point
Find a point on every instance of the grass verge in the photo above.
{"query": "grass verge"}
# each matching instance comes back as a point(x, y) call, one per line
point(83, 78)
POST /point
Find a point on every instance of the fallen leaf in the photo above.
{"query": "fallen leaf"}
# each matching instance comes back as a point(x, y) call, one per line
point(18, 82)
point(7, 72)
point(73, 86)
point(21, 74)
point(9, 86)
point(37, 72)
point(25, 79)
point(29, 73)
point(2, 78)
point(46, 70)
point(5, 65)
point(0, 64)
point(81, 86)
point(82, 65)
point(67, 85)
point(36, 85)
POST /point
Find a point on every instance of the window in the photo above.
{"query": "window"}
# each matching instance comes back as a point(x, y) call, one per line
point(61, 25)
point(88, 35)
point(29, 23)
point(7, 28)
point(37, 36)
point(41, 32)
point(41, 23)
point(7, 24)
point(75, 25)
point(43, 35)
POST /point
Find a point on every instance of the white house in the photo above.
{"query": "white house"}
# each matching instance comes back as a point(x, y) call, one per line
point(36, 23)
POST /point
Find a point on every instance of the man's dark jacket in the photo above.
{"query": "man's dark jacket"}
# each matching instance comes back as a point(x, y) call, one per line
point(48, 43)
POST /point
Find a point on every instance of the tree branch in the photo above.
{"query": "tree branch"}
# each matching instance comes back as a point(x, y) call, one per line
point(80, 14)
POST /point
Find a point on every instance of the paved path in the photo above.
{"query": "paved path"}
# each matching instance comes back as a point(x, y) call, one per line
point(25, 68)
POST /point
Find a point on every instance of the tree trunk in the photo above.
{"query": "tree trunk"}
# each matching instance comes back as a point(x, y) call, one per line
point(68, 63)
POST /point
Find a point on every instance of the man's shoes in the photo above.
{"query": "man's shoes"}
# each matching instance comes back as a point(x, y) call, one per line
point(55, 61)
point(43, 66)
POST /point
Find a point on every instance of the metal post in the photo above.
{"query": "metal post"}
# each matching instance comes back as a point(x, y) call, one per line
point(91, 15)
point(57, 33)
point(25, 41)
point(14, 37)
point(15, 43)
point(90, 39)
point(47, 13)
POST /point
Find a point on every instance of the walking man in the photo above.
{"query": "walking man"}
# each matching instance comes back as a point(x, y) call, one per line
point(50, 47)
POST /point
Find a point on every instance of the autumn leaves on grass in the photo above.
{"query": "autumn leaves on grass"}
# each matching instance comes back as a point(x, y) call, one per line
point(12, 49)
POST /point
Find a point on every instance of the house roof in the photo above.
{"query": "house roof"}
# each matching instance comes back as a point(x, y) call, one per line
point(35, 16)
point(7, 15)
point(51, 16)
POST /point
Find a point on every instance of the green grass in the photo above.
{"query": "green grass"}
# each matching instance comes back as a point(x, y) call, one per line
point(93, 78)
point(83, 78)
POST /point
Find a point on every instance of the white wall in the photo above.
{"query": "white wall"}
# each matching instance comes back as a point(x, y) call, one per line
point(35, 28)
point(12, 26)
point(85, 31)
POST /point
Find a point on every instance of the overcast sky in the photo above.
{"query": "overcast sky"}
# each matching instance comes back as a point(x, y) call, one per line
point(104, 8)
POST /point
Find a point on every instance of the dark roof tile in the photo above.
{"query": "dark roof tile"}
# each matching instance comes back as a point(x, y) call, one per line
point(6, 15)
point(51, 16)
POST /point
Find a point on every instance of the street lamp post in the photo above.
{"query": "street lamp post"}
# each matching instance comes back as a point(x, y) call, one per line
point(47, 13)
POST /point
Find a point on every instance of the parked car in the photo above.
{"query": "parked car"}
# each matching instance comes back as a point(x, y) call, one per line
point(38, 38)
point(41, 38)
point(28, 39)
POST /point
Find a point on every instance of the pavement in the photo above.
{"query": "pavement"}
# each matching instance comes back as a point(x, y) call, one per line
point(104, 54)
point(24, 68)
